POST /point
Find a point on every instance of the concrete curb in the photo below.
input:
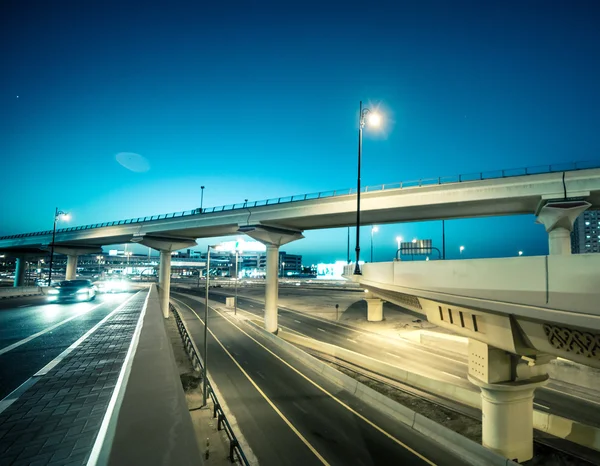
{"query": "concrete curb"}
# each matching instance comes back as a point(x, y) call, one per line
point(472, 452)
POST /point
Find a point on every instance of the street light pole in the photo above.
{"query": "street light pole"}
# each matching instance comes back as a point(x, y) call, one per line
point(205, 355)
point(236, 283)
point(348, 245)
point(57, 213)
point(357, 249)
point(373, 229)
point(443, 239)
point(374, 120)
point(201, 198)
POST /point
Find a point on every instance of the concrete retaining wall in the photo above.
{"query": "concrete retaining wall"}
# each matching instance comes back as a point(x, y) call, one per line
point(472, 452)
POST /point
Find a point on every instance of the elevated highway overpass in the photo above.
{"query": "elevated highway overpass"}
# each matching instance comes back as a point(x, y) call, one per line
point(517, 312)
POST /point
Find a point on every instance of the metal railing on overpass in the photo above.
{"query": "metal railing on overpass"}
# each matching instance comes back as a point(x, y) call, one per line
point(479, 176)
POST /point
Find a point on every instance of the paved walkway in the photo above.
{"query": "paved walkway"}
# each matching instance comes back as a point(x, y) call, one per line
point(57, 419)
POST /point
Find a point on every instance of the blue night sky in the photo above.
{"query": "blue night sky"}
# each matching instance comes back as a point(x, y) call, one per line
point(258, 100)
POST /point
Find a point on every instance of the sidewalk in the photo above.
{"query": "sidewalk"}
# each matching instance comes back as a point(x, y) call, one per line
point(56, 419)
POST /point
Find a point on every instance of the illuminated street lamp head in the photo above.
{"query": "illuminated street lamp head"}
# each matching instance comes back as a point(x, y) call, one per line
point(374, 119)
point(414, 240)
point(60, 215)
point(375, 229)
point(520, 253)
point(462, 248)
point(399, 239)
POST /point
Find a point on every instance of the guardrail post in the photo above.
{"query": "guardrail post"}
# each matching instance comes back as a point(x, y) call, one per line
point(233, 444)
point(220, 421)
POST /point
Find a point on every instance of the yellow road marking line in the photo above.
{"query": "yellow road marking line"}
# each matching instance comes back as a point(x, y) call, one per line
point(375, 426)
point(290, 425)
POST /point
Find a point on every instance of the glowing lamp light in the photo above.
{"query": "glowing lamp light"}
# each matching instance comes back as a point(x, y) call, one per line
point(374, 119)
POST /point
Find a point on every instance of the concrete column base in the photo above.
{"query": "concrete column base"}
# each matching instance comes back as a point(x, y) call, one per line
point(374, 309)
point(507, 417)
point(71, 267)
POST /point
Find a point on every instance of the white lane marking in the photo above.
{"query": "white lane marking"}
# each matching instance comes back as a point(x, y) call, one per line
point(297, 321)
point(541, 406)
point(49, 329)
point(261, 375)
point(350, 339)
point(16, 393)
point(116, 399)
point(318, 328)
point(255, 385)
point(371, 423)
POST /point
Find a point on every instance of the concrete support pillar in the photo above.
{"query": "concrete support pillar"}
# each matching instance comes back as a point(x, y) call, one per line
point(71, 267)
point(19, 272)
point(507, 384)
point(558, 219)
point(374, 309)
point(272, 237)
point(507, 419)
point(559, 241)
point(160, 269)
point(165, 281)
point(272, 288)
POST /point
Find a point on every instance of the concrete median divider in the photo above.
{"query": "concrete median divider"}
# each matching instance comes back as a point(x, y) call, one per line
point(470, 451)
point(14, 292)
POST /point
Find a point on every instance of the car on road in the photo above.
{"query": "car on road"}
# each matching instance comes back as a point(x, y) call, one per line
point(72, 290)
point(114, 285)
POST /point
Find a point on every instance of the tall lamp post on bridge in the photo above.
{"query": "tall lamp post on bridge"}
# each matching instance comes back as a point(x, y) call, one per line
point(201, 198)
point(57, 215)
point(374, 119)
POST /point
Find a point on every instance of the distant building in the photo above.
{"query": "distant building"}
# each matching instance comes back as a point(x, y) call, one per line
point(290, 264)
point(585, 237)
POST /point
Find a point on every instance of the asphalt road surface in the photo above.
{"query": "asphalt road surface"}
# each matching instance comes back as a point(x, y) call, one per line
point(33, 332)
point(412, 356)
point(289, 414)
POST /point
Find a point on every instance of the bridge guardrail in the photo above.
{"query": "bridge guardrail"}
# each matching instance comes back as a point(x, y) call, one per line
point(463, 178)
point(222, 422)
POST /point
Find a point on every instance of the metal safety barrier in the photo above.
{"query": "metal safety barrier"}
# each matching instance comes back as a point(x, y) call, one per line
point(222, 422)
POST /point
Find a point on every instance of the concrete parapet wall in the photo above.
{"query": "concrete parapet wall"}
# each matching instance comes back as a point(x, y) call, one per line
point(567, 283)
point(153, 424)
point(13, 292)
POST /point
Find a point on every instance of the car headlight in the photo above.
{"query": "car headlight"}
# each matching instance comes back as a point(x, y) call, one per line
point(83, 290)
point(53, 291)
